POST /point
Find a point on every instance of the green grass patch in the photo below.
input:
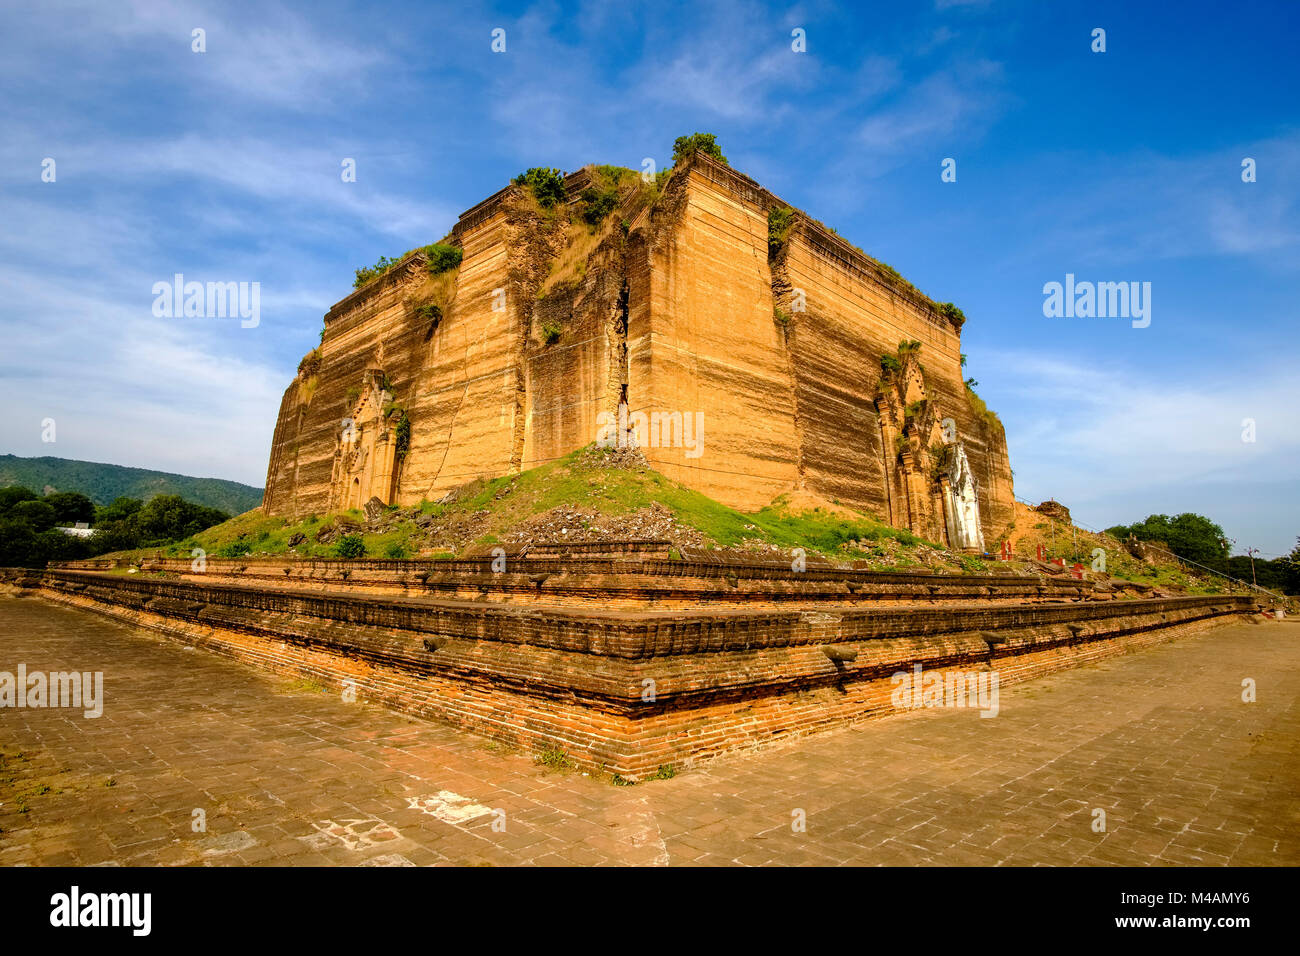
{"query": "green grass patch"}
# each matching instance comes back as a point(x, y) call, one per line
point(493, 508)
point(555, 760)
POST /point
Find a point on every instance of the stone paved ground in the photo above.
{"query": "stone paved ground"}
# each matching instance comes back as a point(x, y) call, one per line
point(286, 774)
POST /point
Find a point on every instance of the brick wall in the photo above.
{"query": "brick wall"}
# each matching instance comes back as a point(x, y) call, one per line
point(546, 677)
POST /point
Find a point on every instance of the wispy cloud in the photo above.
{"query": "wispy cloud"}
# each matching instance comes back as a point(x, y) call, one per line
point(934, 112)
point(281, 56)
point(1090, 435)
point(1158, 206)
point(153, 393)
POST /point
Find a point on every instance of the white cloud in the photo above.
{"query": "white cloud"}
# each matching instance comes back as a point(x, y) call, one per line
point(125, 387)
point(269, 53)
point(1094, 437)
point(953, 107)
point(303, 181)
point(1156, 207)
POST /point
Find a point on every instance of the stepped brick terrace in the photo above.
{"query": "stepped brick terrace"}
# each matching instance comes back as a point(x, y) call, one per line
point(286, 775)
point(628, 664)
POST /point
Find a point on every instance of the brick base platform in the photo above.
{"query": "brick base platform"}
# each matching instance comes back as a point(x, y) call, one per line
point(620, 689)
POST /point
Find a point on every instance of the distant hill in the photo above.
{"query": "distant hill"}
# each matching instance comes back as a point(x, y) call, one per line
point(102, 483)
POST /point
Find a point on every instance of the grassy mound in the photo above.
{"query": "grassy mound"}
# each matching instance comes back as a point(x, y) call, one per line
point(589, 494)
point(600, 494)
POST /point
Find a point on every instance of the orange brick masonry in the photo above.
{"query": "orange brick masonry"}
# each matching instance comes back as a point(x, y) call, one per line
point(283, 773)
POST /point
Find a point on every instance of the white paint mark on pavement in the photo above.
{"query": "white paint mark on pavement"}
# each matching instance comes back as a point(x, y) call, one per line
point(449, 807)
point(353, 834)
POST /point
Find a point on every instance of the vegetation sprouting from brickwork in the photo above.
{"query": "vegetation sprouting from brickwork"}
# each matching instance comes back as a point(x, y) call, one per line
point(310, 364)
point(401, 425)
point(707, 143)
point(546, 185)
point(367, 273)
point(597, 204)
point(589, 224)
point(891, 365)
point(951, 313)
point(982, 410)
point(779, 222)
point(443, 256)
point(402, 435)
point(600, 198)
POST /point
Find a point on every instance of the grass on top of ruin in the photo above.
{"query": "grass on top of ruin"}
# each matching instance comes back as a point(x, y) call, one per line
point(596, 493)
point(590, 493)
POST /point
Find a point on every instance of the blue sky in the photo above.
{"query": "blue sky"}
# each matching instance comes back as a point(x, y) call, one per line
point(1115, 166)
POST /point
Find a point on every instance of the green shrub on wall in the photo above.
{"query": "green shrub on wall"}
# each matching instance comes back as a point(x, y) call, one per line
point(546, 185)
point(707, 143)
point(779, 222)
point(443, 256)
point(597, 204)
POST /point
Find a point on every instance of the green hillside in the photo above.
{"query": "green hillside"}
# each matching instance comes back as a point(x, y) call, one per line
point(102, 483)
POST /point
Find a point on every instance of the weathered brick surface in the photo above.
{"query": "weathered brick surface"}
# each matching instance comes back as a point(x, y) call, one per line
point(1186, 772)
point(675, 316)
point(612, 582)
point(628, 690)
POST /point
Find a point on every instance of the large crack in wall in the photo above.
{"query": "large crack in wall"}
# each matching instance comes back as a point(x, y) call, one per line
point(784, 314)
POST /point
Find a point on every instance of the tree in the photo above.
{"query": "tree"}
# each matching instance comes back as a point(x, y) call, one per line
point(13, 494)
point(37, 515)
point(1191, 536)
point(1291, 570)
point(547, 185)
point(16, 541)
point(29, 538)
point(170, 517)
point(121, 507)
point(54, 545)
point(707, 143)
point(71, 507)
point(350, 546)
